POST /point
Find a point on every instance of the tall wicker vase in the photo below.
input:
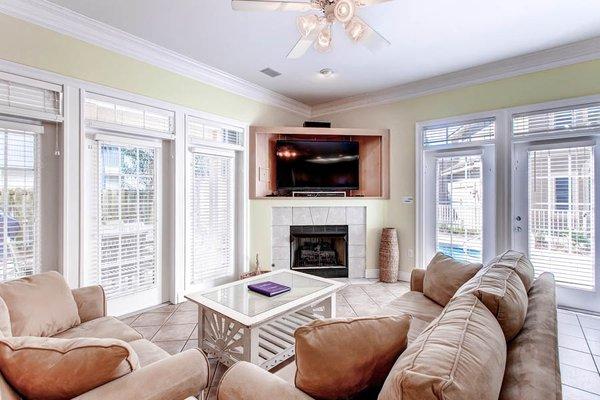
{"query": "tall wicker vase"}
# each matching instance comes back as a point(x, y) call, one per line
point(389, 255)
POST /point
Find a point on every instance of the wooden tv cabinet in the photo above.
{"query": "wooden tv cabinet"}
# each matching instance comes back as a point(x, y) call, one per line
point(374, 156)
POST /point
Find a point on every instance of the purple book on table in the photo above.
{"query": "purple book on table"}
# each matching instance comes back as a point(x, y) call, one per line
point(269, 288)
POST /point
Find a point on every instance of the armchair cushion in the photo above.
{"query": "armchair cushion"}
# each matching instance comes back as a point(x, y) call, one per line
point(54, 369)
point(445, 275)
point(5, 328)
point(105, 327)
point(340, 358)
point(40, 305)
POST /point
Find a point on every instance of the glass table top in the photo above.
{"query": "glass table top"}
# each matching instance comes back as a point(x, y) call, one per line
point(239, 298)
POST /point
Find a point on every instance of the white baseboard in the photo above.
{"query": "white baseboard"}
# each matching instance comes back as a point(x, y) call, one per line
point(372, 273)
point(404, 276)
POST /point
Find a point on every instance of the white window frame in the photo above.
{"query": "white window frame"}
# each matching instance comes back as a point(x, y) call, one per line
point(425, 197)
point(241, 226)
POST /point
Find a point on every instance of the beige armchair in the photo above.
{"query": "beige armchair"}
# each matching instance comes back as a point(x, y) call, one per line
point(160, 376)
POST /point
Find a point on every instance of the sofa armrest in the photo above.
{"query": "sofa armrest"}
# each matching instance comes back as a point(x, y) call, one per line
point(174, 378)
point(91, 302)
point(416, 280)
point(245, 381)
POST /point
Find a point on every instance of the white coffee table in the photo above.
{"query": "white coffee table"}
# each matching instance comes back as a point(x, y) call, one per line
point(236, 324)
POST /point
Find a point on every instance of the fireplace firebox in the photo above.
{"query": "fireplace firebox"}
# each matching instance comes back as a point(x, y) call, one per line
point(320, 250)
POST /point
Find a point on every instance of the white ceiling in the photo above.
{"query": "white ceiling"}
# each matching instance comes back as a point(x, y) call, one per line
point(429, 38)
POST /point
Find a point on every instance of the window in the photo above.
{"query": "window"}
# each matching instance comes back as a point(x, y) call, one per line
point(571, 118)
point(19, 196)
point(561, 214)
point(205, 130)
point(459, 207)
point(30, 98)
point(463, 132)
point(126, 219)
point(211, 216)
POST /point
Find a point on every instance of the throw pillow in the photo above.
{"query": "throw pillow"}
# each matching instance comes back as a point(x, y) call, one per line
point(340, 358)
point(40, 305)
point(444, 276)
point(57, 369)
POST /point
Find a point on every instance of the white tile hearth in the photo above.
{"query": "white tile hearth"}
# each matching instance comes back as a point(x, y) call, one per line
point(354, 217)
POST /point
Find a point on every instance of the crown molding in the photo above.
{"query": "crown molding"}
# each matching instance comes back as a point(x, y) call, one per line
point(555, 57)
point(68, 22)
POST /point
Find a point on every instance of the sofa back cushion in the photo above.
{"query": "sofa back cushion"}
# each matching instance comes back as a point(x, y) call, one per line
point(503, 293)
point(52, 369)
point(40, 305)
point(340, 358)
point(519, 263)
point(461, 355)
point(532, 363)
point(444, 276)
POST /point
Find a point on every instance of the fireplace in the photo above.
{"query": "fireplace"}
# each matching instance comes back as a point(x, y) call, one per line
point(320, 250)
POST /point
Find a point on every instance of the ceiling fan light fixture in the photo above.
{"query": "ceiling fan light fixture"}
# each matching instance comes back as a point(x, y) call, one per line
point(323, 42)
point(308, 24)
point(356, 29)
point(344, 10)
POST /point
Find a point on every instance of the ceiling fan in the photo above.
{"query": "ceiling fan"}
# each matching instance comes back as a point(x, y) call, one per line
point(315, 29)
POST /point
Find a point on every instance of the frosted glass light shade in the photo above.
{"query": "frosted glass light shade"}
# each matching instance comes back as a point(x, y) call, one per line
point(323, 42)
point(356, 29)
point(344, 10)
point(307, 24)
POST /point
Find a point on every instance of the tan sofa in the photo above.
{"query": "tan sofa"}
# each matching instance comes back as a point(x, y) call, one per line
point(160, 376)
point(531, 372)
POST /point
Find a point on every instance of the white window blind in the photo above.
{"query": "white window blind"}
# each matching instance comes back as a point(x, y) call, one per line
point(211, 215)
point(556, 120)
point(459, 207)
point(19, 196)
point(123, 244)
point(561, 214)
point(30, 98)
point(202, 129)
point(462, 132)
point(106, 112)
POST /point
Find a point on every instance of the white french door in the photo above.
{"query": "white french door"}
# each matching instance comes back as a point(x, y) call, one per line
point(554, 219)
point(460, 204)
point(211, 217)
point(125, 224)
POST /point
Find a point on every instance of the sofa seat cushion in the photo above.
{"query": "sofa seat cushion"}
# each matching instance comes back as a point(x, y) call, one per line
point(42, 368)
point(518, 262)
point(339, 358)
point(503, 293)
point(105, 327)
point(40, 305)
point(414, 303)
point(532, 367)
point(147, 352)
point(460, 356)
point(445, 275)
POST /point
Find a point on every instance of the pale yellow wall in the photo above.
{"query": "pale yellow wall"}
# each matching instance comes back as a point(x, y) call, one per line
point(40, 48)
point(573, 81)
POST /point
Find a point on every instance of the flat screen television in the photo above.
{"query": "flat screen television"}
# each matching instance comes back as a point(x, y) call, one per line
point(316, 165)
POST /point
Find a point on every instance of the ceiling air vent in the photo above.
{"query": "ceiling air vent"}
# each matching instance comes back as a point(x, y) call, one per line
point(270, 72)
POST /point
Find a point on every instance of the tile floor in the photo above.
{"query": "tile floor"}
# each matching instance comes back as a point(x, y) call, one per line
point(174, 328)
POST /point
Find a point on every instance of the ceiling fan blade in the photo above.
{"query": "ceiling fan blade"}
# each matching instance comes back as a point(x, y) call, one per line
point(372, 39)
point(364, 3)
point(301, 47)
point(270, 5)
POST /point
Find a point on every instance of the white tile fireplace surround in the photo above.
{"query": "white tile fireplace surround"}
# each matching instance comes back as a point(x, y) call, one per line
point(354, 217)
